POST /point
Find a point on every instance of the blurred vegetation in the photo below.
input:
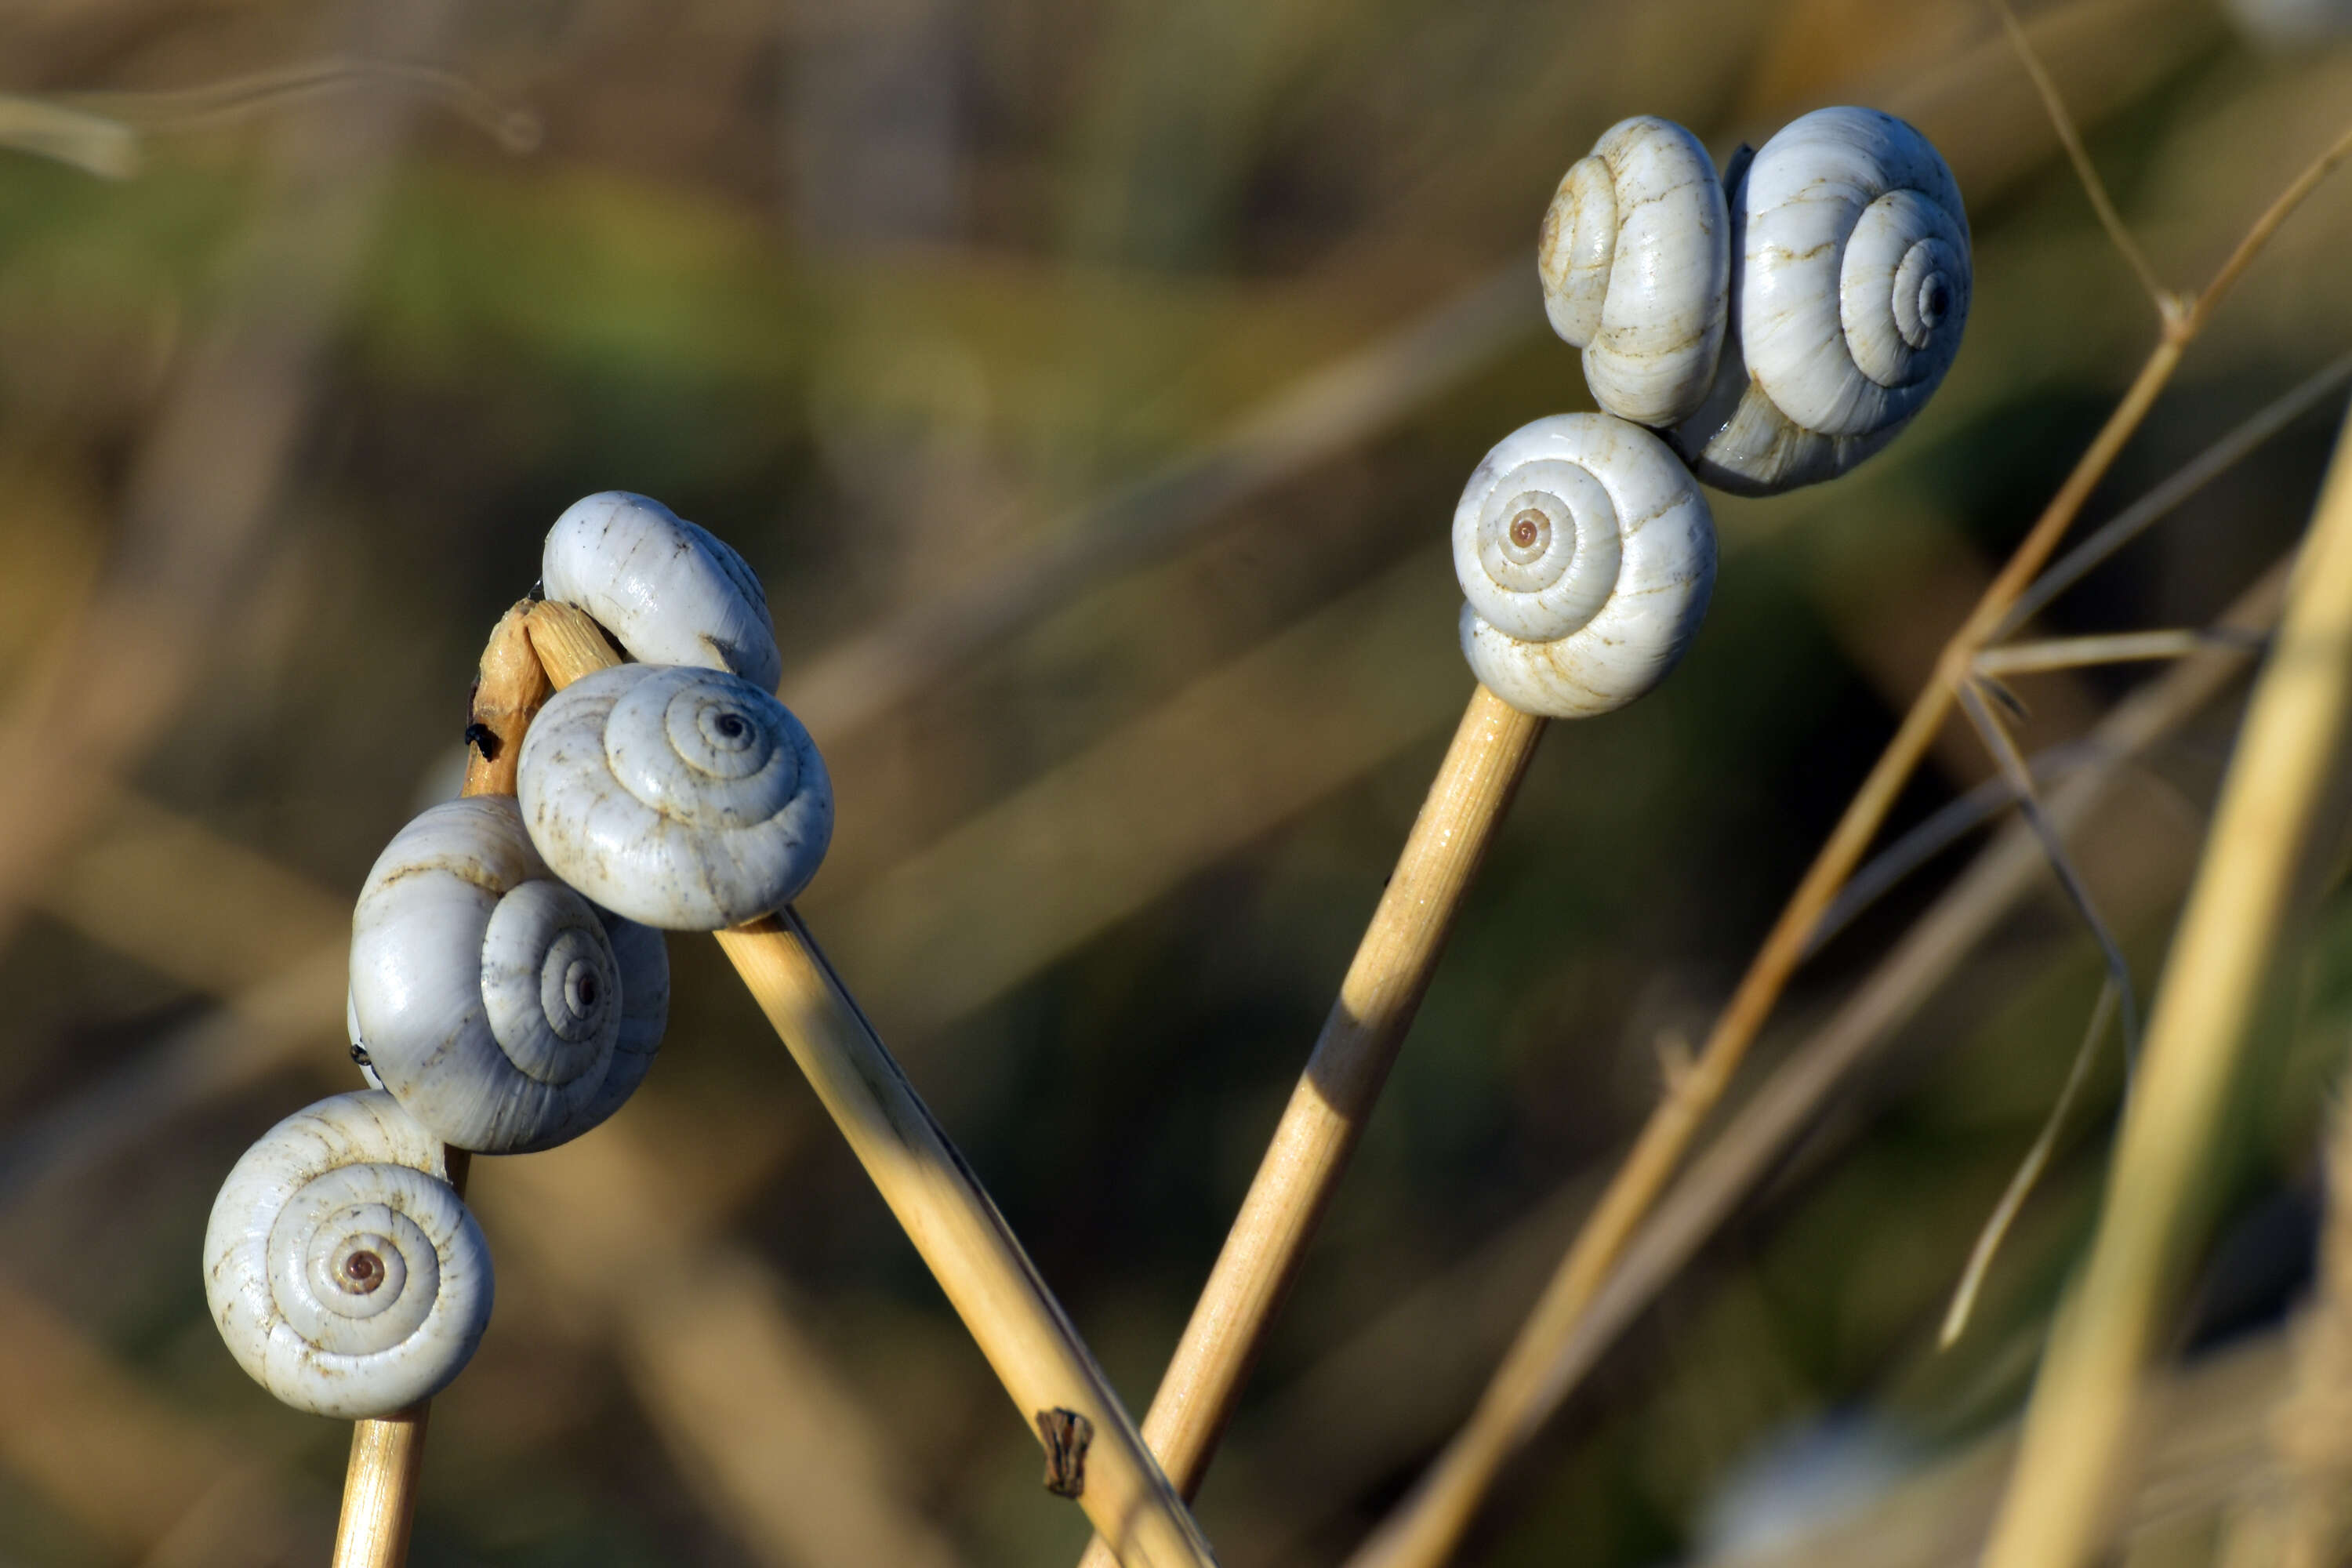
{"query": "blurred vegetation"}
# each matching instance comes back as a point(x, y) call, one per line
point(929, 305)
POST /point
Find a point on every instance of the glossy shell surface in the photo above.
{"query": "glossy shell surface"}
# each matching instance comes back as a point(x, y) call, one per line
point(1854, 279)
point(343, 1271)
point(490, 998)
point(670, 591)
point(1635, 259)
point(683, 798)
point(1586, 552)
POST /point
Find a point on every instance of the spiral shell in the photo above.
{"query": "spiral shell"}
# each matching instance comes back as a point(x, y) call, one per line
point(1851, 297)
point(684, 798)
point(1739, 441)
point(342, 1269)
point(671, 592)
point(488, 996)
point(1586, 554)
point(1635, 258)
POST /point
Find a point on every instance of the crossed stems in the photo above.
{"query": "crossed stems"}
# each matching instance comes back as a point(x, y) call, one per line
point(1094, 1452)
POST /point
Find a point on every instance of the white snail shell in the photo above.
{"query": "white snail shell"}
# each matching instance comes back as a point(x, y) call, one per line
point(488, 996)
point(1635, 258)
point(684, 798)
point(342, 1269)
point(1849, 301)
point(672, 592)
point(644, 958)
point(1586, 554)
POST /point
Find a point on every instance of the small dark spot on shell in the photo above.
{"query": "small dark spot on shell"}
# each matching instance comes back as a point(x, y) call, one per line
point(364, 1270)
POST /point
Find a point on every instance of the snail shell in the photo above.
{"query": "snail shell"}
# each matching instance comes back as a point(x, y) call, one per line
point(488, 997)
point(670, 592)
point(1587, 554)
point(344, 1272)
point(684, 798)
point(1851, 298)
point(1635, 258)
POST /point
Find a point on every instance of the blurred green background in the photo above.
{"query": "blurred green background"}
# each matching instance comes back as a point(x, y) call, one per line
point(1091, 386)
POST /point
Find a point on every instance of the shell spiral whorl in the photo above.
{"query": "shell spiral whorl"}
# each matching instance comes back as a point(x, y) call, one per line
point(489, 996)
point(1635, 257)
point(1586, 552)
point(345, 1274)
point(1854, 284)
point(1850, 298)
point(687, 799)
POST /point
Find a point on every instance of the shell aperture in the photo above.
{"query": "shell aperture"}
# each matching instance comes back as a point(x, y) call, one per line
point(687, 799)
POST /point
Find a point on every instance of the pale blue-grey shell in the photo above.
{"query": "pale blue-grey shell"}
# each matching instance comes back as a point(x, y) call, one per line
point(344, 1273)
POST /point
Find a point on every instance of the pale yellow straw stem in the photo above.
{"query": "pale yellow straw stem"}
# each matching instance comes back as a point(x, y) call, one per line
point(1335, 1094)
point(387, 1456)
point(2290, 758)
point(1093, 1453)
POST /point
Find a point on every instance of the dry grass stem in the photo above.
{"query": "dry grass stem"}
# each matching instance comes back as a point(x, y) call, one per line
point(236, 98)
point(387, 1464)
point(1791, 1097)
point(1427, 1525)
point(88, 141)
point(1350, 1064)
point(2011, 763)
point(388, 1455)
point(380, 1491)
point(2312, 1427)
point(2029, 1171)
point(511, 689)
point(2290, 754)
point(1012, 1316)
point(2167, 304)
point(2076, 653)
point(2185, 481)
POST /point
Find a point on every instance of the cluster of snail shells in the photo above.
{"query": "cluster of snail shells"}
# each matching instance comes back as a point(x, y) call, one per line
point(507, 987)
point(1759, 330)
point(1780, 323)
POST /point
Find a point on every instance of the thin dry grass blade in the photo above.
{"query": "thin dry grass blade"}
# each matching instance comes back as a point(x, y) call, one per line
point(232, 99)
point(1997, 740)
point(2081, 653)
point(2290, 754)
point(80, 137)
point(2167, 304)
point(2029, 1171)
point(2187, 480)
point(1942, 828)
